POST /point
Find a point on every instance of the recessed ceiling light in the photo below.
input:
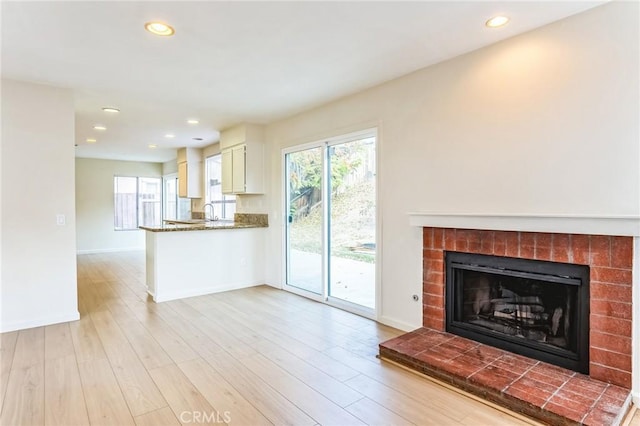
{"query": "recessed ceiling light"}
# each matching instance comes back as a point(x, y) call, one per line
point(99, 127)
point(153, 146)
point(192, 121)
point(91, 140)
point(110, 109)
point(497, 21)
point(197, 139)
point(159, 28)
point(169, 135)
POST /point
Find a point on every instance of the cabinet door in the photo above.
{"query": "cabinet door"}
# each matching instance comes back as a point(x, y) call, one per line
point(239, 169)
point(182, 179)
point(227, 171)
point(194, 179)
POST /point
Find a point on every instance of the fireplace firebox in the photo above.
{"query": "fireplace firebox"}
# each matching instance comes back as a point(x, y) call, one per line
point(535, 308)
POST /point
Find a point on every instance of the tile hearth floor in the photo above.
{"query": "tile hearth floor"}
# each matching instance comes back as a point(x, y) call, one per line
point(546, 392)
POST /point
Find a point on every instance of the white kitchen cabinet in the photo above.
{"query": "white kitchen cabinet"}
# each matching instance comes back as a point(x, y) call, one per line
point(239, 170)
point(242, 159)
point(189, 173)
point(227, 171)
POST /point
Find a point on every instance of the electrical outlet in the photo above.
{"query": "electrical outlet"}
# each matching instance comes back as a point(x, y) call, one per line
point(60, 220)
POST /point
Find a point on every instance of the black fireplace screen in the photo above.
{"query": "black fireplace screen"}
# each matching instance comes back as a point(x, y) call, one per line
point(534, 308)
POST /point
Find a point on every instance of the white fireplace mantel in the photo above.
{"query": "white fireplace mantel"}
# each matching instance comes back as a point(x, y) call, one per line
point(565, 224)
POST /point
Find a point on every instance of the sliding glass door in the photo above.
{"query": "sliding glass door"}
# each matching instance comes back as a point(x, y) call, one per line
point(305, 216)
point(352, 221)
point(331, 221)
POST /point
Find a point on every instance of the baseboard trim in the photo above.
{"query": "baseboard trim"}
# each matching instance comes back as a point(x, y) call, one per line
point(276, 286)
point(111, 250)
point(400, 325)
point(38, 322)
point(201, 291)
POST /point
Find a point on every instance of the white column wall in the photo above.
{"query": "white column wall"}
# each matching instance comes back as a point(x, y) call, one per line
point(38, 282)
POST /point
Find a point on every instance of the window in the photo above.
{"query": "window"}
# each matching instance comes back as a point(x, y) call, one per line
point(137, 201)
point(175, 208)
point(224, 205)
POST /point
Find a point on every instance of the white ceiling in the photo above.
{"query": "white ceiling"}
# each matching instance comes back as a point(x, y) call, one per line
point(234, 61)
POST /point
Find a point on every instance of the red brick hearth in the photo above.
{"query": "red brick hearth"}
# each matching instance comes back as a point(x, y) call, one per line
point(535, 388)
point(543, 391)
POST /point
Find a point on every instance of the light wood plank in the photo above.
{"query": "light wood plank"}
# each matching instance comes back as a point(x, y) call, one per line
point(170, 341)
point(24, 399)
point(271, 404)
point(270, 335)
point(407, 407)
point(29, 348)
point(104, 400)
point(149, 351)
point(64, 402)
point(375, 414)
point(139, 390)
point(192, 335)
point(184, 399)
point(7, 348)
point(221, 394)
point(57, 341)
point(632, 418)
point(303, 396)
point(331, 388)
point(161, 417)
point(85, 339)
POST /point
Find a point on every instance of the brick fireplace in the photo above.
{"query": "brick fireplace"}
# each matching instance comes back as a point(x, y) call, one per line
point(610, 262)
point(532, 387)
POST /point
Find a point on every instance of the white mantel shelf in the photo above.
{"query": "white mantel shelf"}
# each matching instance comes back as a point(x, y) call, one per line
point(564, 224)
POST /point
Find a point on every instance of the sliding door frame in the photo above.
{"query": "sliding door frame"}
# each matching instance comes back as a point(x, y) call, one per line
point(325, 144)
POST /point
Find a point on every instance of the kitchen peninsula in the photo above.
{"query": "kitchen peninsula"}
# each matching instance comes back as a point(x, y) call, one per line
point(192, 259)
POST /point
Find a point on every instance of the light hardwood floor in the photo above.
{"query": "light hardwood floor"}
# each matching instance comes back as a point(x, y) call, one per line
point(256, 356)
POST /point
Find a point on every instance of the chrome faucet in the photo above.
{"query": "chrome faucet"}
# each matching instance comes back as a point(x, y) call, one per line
point(213, 211)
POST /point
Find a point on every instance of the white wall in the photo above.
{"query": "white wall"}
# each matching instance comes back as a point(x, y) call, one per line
point(95, 204)
point(38, 256)
point(169, 167)
point(546, 122)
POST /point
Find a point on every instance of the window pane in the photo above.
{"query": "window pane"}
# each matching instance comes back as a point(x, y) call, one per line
point(171, 198)
point(214, 175)
point(184, 208)
point(175, 208)
point(125, 203)
point(224, 205)
point(149, 201)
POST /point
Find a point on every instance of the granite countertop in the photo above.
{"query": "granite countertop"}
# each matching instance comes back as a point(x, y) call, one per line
point(241, 221)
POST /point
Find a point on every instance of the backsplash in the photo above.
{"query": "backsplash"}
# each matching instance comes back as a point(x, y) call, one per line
point(260, 219)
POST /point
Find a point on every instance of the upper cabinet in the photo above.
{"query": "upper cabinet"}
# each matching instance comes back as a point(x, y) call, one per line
point(189, 173)
point(242, 150)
